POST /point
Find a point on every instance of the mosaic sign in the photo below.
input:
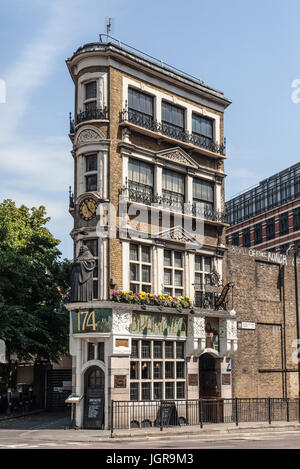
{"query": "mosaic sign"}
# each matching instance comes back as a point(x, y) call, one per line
point(163, 324)
point(91, 320)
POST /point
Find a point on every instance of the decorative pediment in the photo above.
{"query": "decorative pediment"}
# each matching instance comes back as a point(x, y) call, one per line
point(178, 156)
point(88, 136)
point(180, 235)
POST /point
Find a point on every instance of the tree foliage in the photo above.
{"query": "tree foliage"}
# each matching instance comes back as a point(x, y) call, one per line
point(33, 280)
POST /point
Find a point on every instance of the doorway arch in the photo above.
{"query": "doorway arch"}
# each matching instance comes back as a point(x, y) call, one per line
point(209, 377)
point(94, 392)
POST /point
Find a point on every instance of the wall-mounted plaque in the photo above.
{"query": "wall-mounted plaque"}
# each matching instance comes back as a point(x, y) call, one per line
point(226, 380)
point(193, 379)
point(120, 381)
point(121, 342)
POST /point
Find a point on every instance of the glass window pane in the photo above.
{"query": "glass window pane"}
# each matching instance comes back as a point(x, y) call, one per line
point(134, 272)
point(168, 277)
point(177, 259)
point(178, 278)
point(169, 370)
point(146, 254)
point(157, 370)
point(101, 351)
point(180, 370)
point(90, 106)
point(179, 349)
point(167, 258)
point(91, 90)
point(91, 162)
point(140, 172)
point(169, 391)
point(173, 182)
point(134, 370)
point(146, 273)
point(169, 350)
point(134, 252)
point(134, 391)
point(180, 389)
point(202, 126)
point(146, 391)
point(140, 101)
point(198, 263)
point(146, 370)
point(146, 349)
point(207, 264)
point(198, 280)
point(91, 183)
point(172, 114)
point(178, 292)
point(134, 348)
point(203, 190)
point(157, 349)
point(157, 390)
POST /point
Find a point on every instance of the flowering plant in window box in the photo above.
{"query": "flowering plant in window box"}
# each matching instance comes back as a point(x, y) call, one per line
point(144, 298)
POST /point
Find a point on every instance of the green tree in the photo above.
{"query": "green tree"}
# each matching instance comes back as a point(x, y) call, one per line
point(33, 281)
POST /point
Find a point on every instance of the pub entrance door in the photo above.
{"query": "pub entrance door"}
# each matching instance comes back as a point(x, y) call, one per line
point(210, 388)
point(94, 382)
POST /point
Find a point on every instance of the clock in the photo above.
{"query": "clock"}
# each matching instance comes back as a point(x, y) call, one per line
point(87, 209)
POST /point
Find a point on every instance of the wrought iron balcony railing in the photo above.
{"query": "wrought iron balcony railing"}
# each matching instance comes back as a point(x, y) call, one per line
point(91, 114)
point(148, 122)
point(146, 197)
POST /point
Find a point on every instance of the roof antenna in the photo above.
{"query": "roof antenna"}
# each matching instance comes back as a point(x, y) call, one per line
point(108, 26)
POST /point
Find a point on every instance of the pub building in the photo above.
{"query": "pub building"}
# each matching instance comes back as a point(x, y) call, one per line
point(151, 311)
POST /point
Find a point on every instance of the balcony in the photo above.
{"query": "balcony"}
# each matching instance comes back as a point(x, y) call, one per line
point(146, 197)
point(170, 131)
point(92, 114)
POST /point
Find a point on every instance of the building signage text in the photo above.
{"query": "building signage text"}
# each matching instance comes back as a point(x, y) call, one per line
point(163, 324)
point(91, 320)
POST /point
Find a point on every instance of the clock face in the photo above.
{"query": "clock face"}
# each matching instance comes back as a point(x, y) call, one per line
point(88, 209)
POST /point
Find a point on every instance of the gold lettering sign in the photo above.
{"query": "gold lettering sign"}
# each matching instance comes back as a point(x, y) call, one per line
point(163, 324)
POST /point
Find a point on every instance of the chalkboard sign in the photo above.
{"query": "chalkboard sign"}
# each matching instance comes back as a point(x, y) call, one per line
point(95, 408)
point(167, 413)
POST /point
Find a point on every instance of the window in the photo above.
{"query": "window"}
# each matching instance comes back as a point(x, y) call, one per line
point(173, 273)
point(101, 351)
point(169, 389)
point(203, 196)
point(162, 375)
point(141, 103)
point(297, 186)
point(157, 370)
point(258, 233)
point(172, 116)
point(296, 216)
point(248, 208)
point(92, 244)
point(246, 237)
point(91, 351)
point(158, 390)
point(146, 370)
point(157, 349)
point(91, 168)
point(140, 181)
point(172, 189)
point(272, 197)
point(285, 191)
point(134, 391)
point(203, 269)
point(90, 102)
point(135, 349)
point(270, 228)
point(140, 268)
point(169, 349)
point(236, 239)
point(259, 203)
point(134, 368)
point(203, 129)
point(284, 224)
point(146, 349)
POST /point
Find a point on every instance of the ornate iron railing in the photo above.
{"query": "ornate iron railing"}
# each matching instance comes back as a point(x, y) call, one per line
point(72, 124)
point(145, 196)
point(91, 114)
point(148, 122)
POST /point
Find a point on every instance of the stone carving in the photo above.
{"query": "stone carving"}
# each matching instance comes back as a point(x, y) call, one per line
point(196, 327)
point(89, 136)
point(121, 322)
point(126, 133)
point(177, 155)
point(82, 276)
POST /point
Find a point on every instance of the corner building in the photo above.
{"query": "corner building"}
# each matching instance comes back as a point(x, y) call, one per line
point(148, 141)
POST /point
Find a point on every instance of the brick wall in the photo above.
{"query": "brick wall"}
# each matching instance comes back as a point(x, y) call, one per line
point(264, 293)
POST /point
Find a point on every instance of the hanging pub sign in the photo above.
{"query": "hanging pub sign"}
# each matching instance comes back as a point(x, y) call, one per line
point(221, 300)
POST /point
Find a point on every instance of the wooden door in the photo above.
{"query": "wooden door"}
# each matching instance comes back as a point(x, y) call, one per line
point(94, 398)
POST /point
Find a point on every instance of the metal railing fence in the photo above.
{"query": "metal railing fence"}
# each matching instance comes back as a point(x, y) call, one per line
point(168, 413)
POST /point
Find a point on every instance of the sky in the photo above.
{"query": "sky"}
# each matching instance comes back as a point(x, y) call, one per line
point(248, 49)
